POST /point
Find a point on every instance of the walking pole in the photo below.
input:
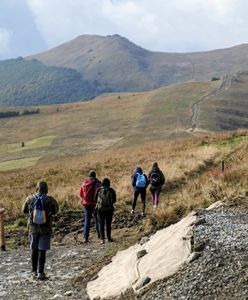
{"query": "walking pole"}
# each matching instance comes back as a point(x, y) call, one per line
point(2, 241)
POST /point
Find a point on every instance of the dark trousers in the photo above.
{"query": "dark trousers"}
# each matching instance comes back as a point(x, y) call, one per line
point(38, 260)
point(105, 217)
point(142, 193)
point(88, 212)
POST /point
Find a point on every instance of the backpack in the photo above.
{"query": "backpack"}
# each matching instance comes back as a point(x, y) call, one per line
point(155, 179)
point(89, 189)
point(104, 200)
point(140, 180)
point(38, 213)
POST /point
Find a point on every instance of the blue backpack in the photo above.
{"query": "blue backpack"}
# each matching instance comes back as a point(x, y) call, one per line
point(38, 213)
point(140, 180)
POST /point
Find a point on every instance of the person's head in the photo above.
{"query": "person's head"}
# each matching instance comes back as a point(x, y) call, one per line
point(155, 165)
point(41, 188)
point(106, 182)
point(92, 174)
point(138, 170)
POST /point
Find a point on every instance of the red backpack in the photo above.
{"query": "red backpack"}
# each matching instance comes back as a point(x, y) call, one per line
point(88, 190)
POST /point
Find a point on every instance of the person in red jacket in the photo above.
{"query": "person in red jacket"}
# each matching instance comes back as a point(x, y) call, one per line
point(87, 193)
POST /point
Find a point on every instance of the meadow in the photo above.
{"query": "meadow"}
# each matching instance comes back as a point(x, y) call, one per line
point(113, 134)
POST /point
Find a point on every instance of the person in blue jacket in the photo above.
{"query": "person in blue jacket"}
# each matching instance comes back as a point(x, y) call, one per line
point(139, 183)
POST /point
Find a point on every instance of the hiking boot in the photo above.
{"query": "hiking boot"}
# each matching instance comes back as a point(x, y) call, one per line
point(41, 276)
point(132, 212)
point(110, 240)
point(102, 242)
point(143, 214)
point(86, 241)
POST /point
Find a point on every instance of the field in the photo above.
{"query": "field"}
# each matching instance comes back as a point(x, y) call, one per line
point(112, 135)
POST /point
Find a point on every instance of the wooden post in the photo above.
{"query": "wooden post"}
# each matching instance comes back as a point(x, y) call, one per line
point(222, 166)
point(2, 241)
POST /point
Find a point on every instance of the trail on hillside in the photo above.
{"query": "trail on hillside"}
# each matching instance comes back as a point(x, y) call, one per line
point(225, 85)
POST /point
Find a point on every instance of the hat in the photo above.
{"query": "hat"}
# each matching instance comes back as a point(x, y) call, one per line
point(41, 188)
point(106, 182)
point(92, 174)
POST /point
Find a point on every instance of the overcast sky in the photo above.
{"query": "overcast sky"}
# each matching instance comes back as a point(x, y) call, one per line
point(31, 26)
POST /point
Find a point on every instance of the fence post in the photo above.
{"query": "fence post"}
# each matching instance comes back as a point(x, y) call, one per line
point(222, 166)
point(2, 240)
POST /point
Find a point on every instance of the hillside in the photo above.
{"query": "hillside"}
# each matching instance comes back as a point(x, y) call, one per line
point(108, 64)
point(33, 83)
point(115, 62)
point(124, 120)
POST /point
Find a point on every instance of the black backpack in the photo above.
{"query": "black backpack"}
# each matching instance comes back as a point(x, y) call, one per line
point(155, 179)
point(104, 200)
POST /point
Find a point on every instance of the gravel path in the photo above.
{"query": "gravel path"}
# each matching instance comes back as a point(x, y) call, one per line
point(221, 271)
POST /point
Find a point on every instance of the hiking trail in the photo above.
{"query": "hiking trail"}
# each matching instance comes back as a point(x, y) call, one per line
point(225, 85)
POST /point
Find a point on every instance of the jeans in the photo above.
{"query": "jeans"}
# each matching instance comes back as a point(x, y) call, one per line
point(143, 199)
point(88, 211)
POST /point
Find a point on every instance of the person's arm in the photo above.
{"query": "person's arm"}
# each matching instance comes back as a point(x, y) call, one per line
point(25, 206)
point(113, 195)
point(162, 178)
point(55, 207)
point(81, 192)
point(134, 177)
point(96, 195)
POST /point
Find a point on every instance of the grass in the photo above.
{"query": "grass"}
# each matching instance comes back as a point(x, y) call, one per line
point(18, 163)
point(44, 141)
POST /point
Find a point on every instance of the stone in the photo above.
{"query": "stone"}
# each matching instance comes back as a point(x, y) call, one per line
point(141, 253)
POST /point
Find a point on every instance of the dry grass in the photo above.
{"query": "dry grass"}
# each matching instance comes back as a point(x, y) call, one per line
point(192, 169)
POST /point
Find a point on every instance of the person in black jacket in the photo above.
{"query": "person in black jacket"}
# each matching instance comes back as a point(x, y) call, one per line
point(157, 180)
point(139, 183)
point(105, 197)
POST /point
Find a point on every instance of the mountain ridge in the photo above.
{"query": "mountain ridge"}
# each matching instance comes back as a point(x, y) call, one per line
point(114, 64)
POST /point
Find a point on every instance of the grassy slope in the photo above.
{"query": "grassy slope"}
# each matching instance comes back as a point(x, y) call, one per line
point(114, 121)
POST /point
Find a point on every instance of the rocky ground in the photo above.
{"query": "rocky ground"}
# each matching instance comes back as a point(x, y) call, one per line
point(219, 269)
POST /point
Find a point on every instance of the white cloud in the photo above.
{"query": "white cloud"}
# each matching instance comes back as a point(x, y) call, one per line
point(176, 25)
point(5, 38)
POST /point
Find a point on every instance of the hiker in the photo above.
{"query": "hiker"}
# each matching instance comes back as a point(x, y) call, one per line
point(139, 183)
point(40, 208)
point(156, 179)
point(105, 197)
point(87, 193)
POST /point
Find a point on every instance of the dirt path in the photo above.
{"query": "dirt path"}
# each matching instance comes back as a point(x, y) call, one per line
point(225, 85)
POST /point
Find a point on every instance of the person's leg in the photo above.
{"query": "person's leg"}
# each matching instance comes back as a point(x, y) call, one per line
point(44, 245)
point(87, 218)
point(34, 242)
point(143, 199)
point(96, 223)
point(109, 217)
point(156, 198)
point(42, 260)
point(101, 221)
point(135, 197)
point(153, 197)
point(34, 256)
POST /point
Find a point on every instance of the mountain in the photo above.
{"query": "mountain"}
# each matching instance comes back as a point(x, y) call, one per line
point(115, 62)
point(91, 65)
point(33, 83)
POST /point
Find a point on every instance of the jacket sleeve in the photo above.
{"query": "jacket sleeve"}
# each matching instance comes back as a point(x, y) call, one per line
point(134, 178)
point(96, 195)
point(147, 181)
point(81, 192)
point(162, 178)
point(113, 195)
point(55, 206)
point(25, 207)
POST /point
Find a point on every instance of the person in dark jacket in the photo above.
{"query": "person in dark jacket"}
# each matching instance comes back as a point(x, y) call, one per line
point(157, 180)
point(40, 234)
point(139, 183)
point(105, 197)
point(87, 193)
